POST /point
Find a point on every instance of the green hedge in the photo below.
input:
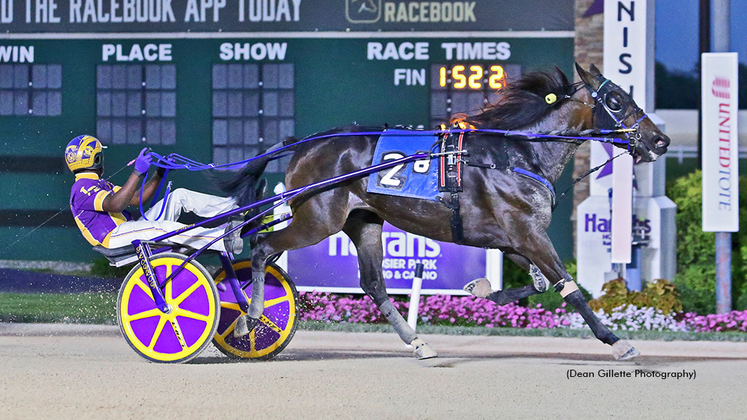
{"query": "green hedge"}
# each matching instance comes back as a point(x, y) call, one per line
point(696, 250)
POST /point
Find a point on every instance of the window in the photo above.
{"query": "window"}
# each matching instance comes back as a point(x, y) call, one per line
point(136, 104)
point(253, 108)
point(31, 89)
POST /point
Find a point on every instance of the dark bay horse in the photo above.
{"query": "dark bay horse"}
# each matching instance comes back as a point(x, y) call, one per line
point(500, 207)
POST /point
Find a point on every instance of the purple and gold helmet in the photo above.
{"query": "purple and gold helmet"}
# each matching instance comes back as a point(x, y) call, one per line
point(84, 152)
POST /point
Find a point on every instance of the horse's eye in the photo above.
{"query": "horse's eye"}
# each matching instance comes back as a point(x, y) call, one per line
point(614, 101)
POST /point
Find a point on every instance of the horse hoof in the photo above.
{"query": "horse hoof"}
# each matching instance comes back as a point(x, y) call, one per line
point(423, 350)
point(480, 287)
point(244, 325)
point(622, 350)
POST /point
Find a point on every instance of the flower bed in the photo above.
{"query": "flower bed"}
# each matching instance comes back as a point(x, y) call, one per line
point(471, 311)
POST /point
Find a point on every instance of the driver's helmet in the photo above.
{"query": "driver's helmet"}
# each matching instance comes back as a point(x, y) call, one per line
point(84, 152)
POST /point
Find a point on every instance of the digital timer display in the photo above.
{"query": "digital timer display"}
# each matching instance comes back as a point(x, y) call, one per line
point(472, 76)
point(465, 88)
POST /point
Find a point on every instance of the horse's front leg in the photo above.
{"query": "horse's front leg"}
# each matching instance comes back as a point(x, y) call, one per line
point(539, 249)
point(364, 229)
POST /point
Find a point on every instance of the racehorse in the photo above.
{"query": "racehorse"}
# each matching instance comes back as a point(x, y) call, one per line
point(501, 207)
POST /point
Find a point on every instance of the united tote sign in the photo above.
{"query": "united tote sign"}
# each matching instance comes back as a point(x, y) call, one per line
point(720, 143)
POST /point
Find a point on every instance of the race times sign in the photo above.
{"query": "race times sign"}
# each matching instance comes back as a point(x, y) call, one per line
point(19, 16)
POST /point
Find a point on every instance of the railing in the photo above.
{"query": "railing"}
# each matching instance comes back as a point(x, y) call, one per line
point(691, 152)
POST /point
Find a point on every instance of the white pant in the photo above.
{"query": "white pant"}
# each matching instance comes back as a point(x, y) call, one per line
point(179, 200)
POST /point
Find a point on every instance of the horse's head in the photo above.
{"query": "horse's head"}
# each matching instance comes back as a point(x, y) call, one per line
point(614, 109)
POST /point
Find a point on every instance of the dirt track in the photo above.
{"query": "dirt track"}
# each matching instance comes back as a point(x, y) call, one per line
point(71, 372)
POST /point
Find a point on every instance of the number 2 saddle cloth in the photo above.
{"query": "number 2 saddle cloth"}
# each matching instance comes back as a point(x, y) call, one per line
point(417, 179)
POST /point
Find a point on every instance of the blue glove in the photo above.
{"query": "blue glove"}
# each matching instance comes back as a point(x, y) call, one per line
point(143, 161)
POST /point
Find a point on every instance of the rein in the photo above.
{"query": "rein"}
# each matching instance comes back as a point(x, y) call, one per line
point(587, 173)
point(176, 161)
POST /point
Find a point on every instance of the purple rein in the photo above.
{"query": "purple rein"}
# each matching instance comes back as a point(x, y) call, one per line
point(176, 161)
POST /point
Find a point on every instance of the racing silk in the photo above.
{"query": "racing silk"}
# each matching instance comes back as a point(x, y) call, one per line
point(86, 201)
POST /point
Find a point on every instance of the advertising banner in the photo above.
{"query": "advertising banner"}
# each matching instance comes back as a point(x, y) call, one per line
point(332, 265)
point(720, 142)
point(653, 222)
point(81, 16)
point(625, 55)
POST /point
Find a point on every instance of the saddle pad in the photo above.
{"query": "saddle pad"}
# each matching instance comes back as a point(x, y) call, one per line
point(417, 179)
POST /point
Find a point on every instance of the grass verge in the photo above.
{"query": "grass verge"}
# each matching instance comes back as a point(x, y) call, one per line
point(84, 308)
point(95, 308)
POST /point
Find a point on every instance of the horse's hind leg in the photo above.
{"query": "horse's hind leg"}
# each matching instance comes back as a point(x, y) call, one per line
point(364, 229)
point(311, 223)
point(482, 287)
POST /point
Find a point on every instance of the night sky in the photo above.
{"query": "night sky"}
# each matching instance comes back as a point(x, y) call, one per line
point(677, 32)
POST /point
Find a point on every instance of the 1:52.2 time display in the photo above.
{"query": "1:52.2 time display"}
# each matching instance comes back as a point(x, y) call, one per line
point(472, 76)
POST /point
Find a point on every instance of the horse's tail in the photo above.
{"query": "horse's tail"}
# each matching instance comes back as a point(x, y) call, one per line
point(244, 186)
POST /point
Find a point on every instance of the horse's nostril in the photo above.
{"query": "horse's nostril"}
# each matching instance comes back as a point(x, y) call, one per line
point(662, 142)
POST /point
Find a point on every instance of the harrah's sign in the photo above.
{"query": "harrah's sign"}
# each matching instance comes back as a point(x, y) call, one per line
point(720, 143)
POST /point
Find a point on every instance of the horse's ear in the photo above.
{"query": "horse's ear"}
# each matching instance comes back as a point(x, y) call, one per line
point(594, 70)
point(587, 77)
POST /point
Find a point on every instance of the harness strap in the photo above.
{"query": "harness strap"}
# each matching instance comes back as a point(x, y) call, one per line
point(543, 181)
point(450, 178)
point(450, 166)
point(455, 221)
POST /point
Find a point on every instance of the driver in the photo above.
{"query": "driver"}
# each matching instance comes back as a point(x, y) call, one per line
point(99, 206)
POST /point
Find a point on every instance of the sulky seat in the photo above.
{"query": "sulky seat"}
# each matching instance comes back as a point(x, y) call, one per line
point(125, 255)
point(118, 257)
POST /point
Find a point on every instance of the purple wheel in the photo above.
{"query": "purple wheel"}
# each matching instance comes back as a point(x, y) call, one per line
point(276, 325)
point(186, 330)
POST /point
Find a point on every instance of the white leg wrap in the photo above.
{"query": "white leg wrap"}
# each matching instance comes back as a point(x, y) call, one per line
point(568, 288)
point(480, 287)
point(422, 349)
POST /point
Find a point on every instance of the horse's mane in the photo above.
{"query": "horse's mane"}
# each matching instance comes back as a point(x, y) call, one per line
point(523, 102)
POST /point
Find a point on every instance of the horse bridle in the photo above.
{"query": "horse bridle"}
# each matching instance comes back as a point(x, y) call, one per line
point(607, 98)
point(608, 105)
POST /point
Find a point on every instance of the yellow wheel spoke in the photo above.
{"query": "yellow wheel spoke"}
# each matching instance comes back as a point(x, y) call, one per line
point(263, 319)
point(185, 294)
point(139, 283)
point(169, 288)
point(189, 314)
point(178, 332)
point(231, 305)
point(142, 315)
point(228, 330)
point(274, 302)
point(157, 333)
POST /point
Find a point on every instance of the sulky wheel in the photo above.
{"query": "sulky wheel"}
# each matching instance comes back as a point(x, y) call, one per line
point(276, 325)
point(183, 333)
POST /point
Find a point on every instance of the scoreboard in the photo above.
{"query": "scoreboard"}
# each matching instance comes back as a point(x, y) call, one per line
point(221, 80)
